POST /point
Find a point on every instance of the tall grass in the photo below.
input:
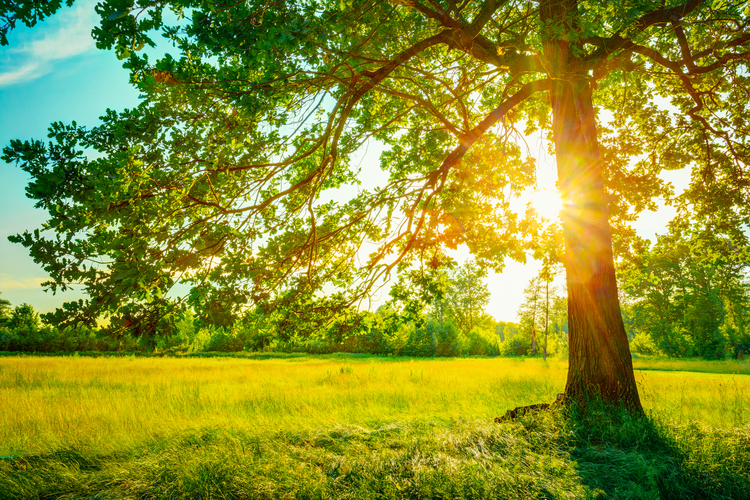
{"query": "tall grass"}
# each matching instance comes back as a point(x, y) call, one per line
point(113, 403)
point(110, 403)
point(358, 428)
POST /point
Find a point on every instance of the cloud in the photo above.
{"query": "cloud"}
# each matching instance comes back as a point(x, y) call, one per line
point(8, 282)
point(67, 36)
point(26, 72)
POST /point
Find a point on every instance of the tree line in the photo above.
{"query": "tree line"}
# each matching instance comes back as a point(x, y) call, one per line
point(682, 297)
point(678, 300)
point(452, 322)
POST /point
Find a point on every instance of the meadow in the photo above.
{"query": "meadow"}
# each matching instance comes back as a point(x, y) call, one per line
point(362, 427)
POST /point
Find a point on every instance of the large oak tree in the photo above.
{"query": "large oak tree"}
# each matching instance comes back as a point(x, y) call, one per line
point(222, 178)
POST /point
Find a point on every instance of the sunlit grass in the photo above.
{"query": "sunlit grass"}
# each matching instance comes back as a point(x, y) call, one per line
point(336, 427)
point(109, 404)
point(692, 365)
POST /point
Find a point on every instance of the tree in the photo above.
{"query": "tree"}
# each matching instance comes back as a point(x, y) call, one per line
point(688, 299)
point(24, 318)
point(505, 330)
point(549, 253)
point(531, 311)
point(466, 297)
point(551, 294)
point(220, 178)
point(5, 311)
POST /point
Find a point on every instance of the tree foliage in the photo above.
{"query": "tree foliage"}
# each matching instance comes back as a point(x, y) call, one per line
point(5, 311)
point(466, 297)
point(688, 298)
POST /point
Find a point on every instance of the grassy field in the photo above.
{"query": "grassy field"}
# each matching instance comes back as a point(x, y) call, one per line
point(362, 427)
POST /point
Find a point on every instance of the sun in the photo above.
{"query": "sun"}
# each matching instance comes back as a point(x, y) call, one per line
point(547, 203)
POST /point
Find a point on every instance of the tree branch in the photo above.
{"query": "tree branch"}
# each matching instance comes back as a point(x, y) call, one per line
point(469, 138)
point(609, 45)
point(489, 7)
point(467, 38)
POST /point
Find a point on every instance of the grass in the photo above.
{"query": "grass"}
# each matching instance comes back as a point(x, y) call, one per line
point(692, 365)
point(358, 427)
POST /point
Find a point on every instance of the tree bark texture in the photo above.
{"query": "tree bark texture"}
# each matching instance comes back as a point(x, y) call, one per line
point(600, 364)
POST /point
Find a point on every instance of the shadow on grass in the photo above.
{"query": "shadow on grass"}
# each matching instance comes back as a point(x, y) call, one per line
point(619, 455)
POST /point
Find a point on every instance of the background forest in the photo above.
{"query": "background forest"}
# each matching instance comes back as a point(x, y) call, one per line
point(678, 301)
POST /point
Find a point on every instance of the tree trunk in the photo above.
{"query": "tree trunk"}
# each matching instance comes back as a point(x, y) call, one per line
point(440, 303)
point(600, 363)
point(533, 316)
point(546, 320)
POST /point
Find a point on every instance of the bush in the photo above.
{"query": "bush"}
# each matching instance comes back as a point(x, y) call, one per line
point(481, 343)
point(515, 347)
point(421, 342)
point(447, 341)
point(227, 340)
point(643, 344)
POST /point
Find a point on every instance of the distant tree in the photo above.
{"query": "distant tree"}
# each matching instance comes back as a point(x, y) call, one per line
point(467, 296)
point(552, 292)
point(530, 310)
point(544, 305)
point(505, 330)
point(24, 318)
point(5, 311)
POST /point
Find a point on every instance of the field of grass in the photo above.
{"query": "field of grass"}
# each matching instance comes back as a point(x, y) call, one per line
point(361, 427)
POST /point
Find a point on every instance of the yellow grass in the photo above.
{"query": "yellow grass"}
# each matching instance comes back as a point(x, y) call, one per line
point(108, 404)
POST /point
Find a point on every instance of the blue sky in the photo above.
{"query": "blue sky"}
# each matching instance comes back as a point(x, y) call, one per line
point(53, 72)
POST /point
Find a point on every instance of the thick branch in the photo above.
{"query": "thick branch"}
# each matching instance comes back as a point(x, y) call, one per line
point(378, 76)
point(442, 17)
point(609, 45)
point(687, 56)
point(467, 38)
point(468, 139)
point(489, 7)
point(688, 59)
point(483, 50)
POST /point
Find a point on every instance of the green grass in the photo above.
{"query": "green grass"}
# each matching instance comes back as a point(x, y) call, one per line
point(692, 365)
point(358, 427)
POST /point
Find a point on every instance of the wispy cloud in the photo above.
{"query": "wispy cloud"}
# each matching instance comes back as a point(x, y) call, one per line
point(67, 35)
point(8, 282)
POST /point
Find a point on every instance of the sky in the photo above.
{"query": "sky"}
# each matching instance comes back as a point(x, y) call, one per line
point(53, 72)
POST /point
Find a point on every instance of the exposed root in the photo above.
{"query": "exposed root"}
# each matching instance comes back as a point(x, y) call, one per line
point(525, 410)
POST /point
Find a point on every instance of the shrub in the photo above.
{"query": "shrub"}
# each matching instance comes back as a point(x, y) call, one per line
point(481, 343)
point(421, 342)
point(643, 344)
point(447, 341)
point(515, 347)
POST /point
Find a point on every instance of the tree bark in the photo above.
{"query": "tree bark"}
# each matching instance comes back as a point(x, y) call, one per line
point(600, 364)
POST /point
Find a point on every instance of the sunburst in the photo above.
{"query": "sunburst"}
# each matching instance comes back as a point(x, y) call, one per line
point(547, 203)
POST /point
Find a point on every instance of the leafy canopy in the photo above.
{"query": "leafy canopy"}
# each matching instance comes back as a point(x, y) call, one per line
point(231, 175)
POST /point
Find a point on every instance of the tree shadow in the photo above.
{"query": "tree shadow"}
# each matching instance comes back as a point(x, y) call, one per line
point(621, 455)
